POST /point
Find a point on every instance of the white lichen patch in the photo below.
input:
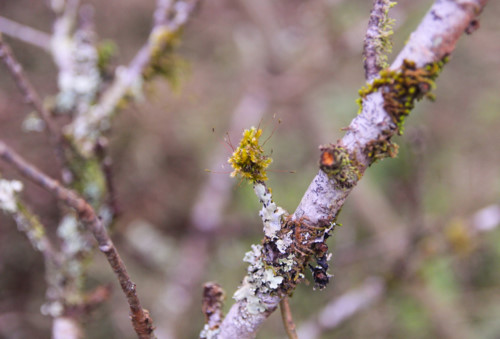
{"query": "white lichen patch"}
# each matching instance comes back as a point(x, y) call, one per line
point(258, 279)
point(207, 333)
point(288, 263)
point(33, 123)
point(272, 215)
point(80, 80)
point(8, 192)
point(284, 243)
point(73, 241)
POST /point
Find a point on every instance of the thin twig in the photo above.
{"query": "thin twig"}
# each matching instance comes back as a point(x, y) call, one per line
point(141, 321)
point(25, 33)
point(32, 98)
point(286, 316)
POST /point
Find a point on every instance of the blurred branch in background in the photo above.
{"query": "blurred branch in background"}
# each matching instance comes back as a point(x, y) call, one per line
point(25, 33)
point(143, 324)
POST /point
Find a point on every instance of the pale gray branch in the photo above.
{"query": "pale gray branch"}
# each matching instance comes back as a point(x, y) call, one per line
point(25, 33)
point(434, 39)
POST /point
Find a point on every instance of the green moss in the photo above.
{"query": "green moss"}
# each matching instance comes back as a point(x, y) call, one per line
point(106, 50)
point(383, 43)
point(381, 148)
point(248, 160)
point(339, 165)
point(164, 62)
point(401, 88)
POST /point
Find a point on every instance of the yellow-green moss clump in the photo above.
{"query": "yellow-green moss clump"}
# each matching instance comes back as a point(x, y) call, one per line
point(339, 165)
point(381, 148)
point(402, 87)
point(248, 160)
point(164, 61)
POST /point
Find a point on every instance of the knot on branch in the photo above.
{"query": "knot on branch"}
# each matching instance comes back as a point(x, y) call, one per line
point(340, 166)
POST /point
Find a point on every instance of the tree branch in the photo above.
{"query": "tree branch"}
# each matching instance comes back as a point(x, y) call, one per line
point(25, 33)
point(87, 127)
point(141, 321)
point(434, 39)
point(32, 98)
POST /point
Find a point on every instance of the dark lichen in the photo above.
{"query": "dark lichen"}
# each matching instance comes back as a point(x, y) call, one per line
point(308, 243)
point(339, 165)
point(402, 87)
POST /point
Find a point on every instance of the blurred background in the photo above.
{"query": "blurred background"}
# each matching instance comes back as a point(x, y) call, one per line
point(419, 250)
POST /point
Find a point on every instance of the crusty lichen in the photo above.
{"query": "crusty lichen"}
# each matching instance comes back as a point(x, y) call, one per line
point(8, 194)
point(271, 214)
point(259, 279)
point(248, 159)
point(208, 333)
point(339, 165)
point(401, 88)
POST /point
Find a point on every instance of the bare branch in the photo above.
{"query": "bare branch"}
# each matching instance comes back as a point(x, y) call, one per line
point(141, 321)
point(286, 316)
point(32, 97)
point(434, 39)
point(25, 33)
point(343, 308)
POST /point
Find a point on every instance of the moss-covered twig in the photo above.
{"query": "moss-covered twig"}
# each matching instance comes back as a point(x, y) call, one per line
point(141, 321)
point(378, 38)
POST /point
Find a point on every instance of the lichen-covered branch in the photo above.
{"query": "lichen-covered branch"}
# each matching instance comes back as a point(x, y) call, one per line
point(368, 134)
point(141, 321)
point(378, 38)
point(86, 128)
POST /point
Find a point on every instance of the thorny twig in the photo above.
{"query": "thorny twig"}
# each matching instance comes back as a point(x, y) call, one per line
point(141, 321)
